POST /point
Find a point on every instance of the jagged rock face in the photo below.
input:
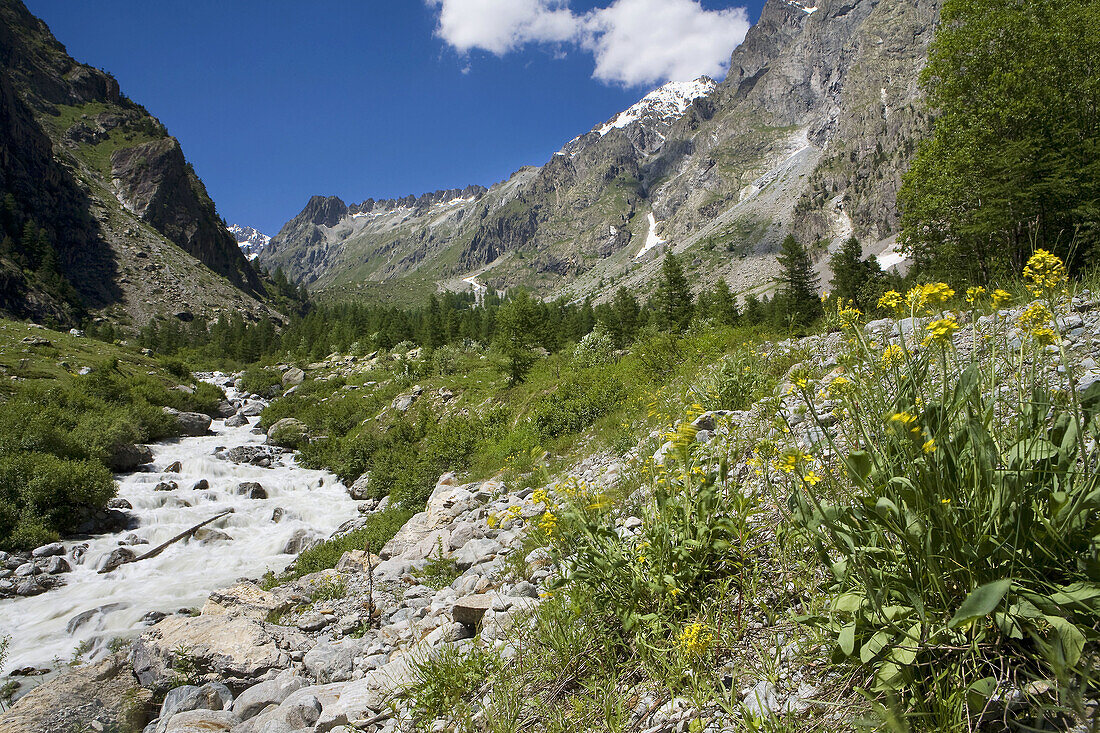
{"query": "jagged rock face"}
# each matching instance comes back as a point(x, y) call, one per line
point(134, 228)
point(809, 133)
point(250, 241)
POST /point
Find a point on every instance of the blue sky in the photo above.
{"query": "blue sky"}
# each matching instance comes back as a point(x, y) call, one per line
point(276, 101)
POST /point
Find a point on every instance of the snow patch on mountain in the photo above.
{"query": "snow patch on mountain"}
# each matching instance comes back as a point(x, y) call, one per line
point(667, 102)
point(652, 241)
point(251, 241)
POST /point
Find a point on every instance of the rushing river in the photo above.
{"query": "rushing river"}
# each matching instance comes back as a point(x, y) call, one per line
point(42, 629)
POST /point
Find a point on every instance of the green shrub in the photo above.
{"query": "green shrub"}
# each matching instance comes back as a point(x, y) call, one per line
point(445, 682)
point(261, 380)
point(576, 404)
point(40, 495)
point(378, 530)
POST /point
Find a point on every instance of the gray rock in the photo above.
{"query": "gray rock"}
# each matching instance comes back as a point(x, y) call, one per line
point(57, 565)
point(29, 587)
point(128, 457)
point(461, 533)
point(301, 710)
point(471, 609)
point(117, 503)
point(288, 433)
point(211, 696)
point(54, 548)
point(105, 697)
point(174, 467)
point(193, 423)
point(238, 649)
point(121, 556)
point(201, 485)
point(760, 701)
point(476, 552)
point(333, 661)
point(255, 699)
point(359, 490)
point(236, 421)
point(199, 721)
point(253, 409)
point(252, 490)
point(314, 622)
point(293, 377)
point(26, 570)
point(302, 539)
point(166, 486)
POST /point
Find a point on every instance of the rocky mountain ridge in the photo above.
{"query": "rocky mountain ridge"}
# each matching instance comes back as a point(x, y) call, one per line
point(808, 133)
point(134, 229)
point(251, 241)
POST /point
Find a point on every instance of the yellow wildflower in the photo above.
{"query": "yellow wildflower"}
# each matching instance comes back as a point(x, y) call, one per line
point(812, 478)
point(695, 640)
point(1046, 273)
point(548, 523)
point(892, 356)
point(892, 299)
point(492, 521)
point(928, 295)
point(941, 329)
point(1035, 317)
point(973, 293)
point(1001, 297)
point(929, 446)
point(1044, 336)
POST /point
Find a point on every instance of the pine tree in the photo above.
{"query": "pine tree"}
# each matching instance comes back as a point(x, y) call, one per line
point(723, 306)
point(673, 305)
point(625, 326)
point(515, 334)
point(849, 270)
point(798, 283)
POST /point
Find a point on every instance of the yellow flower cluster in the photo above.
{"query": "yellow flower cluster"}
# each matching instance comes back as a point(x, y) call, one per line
point(972, 294)
point(941, 329)
point(1001, 298)
point(695, 639)
point(1045, 273)
point(892, 299)
point(791, 460)
point(892, 356)
point(840, 387)
point(924, 297)
point(548, 522)
point(1035, 317)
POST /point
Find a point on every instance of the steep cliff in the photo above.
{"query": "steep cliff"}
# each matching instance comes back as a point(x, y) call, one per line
point(134, 230)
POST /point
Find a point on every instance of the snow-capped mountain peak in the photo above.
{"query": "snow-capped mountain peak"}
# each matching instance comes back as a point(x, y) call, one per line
point(249, 240)
point(665, 103)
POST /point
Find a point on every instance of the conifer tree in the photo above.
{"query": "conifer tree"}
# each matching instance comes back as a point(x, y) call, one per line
point(723, 306)
point(626, 310)
point(673, 305)
point(798, 283)
point(515, 334)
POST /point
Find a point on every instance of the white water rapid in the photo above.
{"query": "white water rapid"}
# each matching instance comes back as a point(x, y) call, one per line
point(186, 572)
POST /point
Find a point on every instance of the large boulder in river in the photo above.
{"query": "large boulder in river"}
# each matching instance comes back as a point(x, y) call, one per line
point(288, 433)
point(236, 421)
point(128, 457)
point(236, 649)
point(106, 696)
point(190, 423)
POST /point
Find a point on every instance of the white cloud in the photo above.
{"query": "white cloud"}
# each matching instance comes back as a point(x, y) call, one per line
point(500, 26)
point(645, 41)
point(634, 42)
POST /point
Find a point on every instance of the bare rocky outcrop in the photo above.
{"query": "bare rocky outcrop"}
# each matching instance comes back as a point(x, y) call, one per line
point(107, 695)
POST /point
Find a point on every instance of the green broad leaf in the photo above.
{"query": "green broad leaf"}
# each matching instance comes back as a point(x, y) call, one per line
point(904, 652)
point(859, 465)
point(874, 646)
point(847, 639)
point(848, 603)
point(981, 602)
point(884, 507)
point(978, 694)
point(1078, 593)
point(1070, 642)
point(888, 678)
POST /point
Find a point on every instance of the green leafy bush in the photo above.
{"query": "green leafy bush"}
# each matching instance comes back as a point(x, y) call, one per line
point(378, 530)
point(580, 400)
point(261, 380)
point(40, 495)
